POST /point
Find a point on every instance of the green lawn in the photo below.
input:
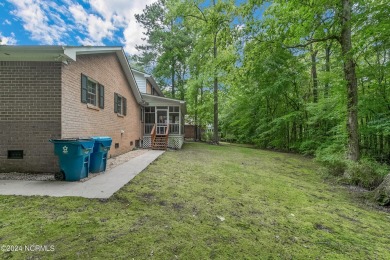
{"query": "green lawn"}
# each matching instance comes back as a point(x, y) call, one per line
point(202, 202)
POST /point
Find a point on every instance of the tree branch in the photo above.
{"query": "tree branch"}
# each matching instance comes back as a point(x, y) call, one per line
point(204, 17)
point(330, 37)
point(194, 16)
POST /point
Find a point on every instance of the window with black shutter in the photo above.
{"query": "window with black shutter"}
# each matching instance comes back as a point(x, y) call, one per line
point(92, 92)
point(101, 96)
point(120, 104)
point(124, 106)
point(84, 83)
point(116, 103)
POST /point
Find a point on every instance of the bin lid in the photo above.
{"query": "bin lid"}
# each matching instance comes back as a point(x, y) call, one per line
point(87, 143)
point(101, 138)
point(71, 139)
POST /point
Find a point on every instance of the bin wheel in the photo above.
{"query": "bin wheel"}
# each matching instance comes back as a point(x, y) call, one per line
point(59, 176)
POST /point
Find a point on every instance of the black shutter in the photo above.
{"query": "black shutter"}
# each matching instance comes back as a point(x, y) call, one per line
point(115, 103)
point(101, 96)
point(124, 100)
point(84, 90)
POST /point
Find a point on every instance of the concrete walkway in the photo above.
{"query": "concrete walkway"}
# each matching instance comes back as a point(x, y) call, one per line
point(101, 186)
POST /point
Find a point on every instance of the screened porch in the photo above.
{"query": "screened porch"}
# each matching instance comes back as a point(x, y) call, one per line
point(163, 117)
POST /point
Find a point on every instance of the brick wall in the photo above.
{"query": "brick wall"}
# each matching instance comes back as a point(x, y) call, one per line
point(80, 120)
point(148, 88)
point(30, 114)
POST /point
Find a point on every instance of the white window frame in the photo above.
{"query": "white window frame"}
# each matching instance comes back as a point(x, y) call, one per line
point(93, 84)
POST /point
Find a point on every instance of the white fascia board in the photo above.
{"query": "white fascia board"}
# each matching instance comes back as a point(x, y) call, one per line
point(163, 101)
point(129, 74)
point(31, 53)
point(72, 52)
point(148, 97)
point(140, 72)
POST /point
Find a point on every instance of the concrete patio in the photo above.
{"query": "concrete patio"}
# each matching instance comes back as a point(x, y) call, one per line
point(101, 186)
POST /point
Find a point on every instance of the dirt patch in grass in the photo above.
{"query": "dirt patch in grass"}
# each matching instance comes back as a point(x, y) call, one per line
point(322, 227)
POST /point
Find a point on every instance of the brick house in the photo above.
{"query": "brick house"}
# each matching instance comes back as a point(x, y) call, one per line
point(51, 92)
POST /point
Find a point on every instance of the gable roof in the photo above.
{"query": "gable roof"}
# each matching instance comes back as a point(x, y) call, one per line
point(66, 54)
point(151, 80)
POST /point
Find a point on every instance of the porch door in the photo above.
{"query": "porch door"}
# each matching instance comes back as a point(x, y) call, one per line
point(162, 121)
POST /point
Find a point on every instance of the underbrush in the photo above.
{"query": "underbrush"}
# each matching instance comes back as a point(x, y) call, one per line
point(366, 173)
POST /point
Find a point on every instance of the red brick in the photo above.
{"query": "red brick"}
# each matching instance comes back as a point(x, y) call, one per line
point(42, 100)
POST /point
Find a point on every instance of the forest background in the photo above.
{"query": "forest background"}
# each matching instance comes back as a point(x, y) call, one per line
point(307, 76)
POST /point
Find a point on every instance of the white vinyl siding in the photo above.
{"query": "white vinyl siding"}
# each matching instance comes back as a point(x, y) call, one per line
point(141, 81)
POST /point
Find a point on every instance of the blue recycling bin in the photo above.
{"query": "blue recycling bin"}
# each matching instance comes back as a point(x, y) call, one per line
point(99, 154)
point(74, 157)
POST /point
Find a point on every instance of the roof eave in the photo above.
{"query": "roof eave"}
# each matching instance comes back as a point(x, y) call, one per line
point(129, 74)
point(149, 98)
point(67, 53)
point(154, 83)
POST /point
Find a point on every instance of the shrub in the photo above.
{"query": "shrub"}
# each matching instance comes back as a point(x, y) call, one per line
point(207, 136)
point(230, 138)
point(332, 157)
point(308, 147)
point(366, 173)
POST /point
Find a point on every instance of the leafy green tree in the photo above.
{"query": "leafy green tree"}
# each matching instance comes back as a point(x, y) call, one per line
point(166, 49)
point(212, 25)
point(288, 77)
point(300, 24)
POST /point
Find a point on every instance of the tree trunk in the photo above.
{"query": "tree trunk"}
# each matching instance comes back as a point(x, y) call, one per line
point(382, 193)
point(215, 138)
point(288, 136)
point(201, 123)
point(350, 77)
point(196, 116)
point(301, 132)
point(327, 68)
point(173, 78)
point(314, 74)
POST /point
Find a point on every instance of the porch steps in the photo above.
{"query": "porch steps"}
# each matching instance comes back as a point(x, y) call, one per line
point(160, 143)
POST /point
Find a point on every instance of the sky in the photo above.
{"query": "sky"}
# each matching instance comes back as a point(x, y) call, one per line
point(72, 22)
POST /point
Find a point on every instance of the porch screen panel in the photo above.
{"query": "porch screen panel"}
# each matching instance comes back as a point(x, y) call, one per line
point(174, 120)
point(150, 119)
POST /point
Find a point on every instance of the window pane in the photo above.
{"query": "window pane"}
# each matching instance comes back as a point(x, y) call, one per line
point(91, 92)
point(174, 109)
point(119, 107)
point(174, 118)
point(149, 118)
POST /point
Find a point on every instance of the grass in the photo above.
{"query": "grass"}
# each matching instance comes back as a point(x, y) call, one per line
point(204, 202)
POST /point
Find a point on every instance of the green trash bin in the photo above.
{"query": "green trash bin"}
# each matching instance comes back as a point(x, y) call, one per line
point(99, 154)
point(74, 157)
